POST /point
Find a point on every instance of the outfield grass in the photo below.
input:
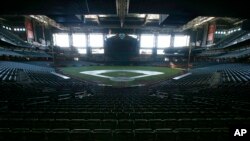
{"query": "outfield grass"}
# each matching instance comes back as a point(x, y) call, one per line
point(75, 71)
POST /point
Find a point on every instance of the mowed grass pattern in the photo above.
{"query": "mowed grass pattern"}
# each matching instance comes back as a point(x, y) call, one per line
point(75, 72)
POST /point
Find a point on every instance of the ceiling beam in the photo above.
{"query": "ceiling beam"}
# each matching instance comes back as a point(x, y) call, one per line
point(163, 17)
point(80, 17)
point(122, 7)
point(198, 21)
point(149, 28)
point(145, 20)
point(87, 6)
point(47, 21)
point(98, 19)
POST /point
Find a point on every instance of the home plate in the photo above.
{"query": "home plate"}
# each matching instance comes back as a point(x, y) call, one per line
point(122, 79)
point(143, 73)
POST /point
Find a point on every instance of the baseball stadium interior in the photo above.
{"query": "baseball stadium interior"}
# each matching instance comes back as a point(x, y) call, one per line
point(124, 70)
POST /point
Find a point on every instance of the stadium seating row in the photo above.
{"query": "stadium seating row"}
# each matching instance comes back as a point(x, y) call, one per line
point(196, 107)
point(62, 134)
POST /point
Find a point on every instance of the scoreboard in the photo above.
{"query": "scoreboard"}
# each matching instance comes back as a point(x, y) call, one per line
point(121, 47)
